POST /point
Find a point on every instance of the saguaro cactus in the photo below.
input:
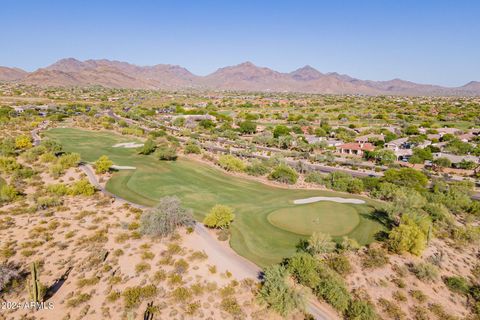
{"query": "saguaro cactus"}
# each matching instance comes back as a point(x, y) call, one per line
point(148, 314)
point(35, 286)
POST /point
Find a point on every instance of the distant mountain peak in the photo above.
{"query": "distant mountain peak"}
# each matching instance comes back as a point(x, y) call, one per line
point(306, 73)
point(245, 76)
point(472, 85)
point(68, 60)
point(67, 65)
point(246, 64)
point(12, 74)
point(308, 68)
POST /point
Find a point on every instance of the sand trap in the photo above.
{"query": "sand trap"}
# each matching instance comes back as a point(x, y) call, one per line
point(128, 145)
point(115, 167)
point(334, 199)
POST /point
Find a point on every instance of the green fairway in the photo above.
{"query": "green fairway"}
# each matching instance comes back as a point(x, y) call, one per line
point(200, 187)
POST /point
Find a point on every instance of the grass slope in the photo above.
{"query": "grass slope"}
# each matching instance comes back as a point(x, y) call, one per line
point(200, 187)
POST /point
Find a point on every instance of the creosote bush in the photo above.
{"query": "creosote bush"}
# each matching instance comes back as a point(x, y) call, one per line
point(133, 296)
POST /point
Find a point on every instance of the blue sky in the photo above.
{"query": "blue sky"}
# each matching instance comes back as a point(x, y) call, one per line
point(424, 41)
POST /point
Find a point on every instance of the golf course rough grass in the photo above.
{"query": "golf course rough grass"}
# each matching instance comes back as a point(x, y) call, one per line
point(267, 226)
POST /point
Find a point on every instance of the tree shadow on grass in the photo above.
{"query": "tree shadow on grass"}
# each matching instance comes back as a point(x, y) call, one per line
point(381, 216)
point(302, 245)
point(381, 236)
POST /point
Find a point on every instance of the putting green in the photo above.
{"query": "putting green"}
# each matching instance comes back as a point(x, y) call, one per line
point(201, 186)
point(336, 219)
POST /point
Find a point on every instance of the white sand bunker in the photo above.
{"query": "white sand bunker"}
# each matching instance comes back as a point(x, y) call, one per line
point(128, 145)
point(334, 199)
point(115, 167)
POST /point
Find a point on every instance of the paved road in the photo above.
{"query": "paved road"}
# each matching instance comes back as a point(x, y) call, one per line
point(35, 137)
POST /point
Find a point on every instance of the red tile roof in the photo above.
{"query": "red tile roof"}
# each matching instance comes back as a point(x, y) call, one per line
point(357, 146)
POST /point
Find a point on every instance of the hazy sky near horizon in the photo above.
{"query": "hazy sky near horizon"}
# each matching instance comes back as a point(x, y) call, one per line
point(428, 41)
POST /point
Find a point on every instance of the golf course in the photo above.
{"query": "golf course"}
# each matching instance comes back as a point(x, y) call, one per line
point(267, 226)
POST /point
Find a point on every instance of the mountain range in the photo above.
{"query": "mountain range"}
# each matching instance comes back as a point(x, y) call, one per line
point(243, 77)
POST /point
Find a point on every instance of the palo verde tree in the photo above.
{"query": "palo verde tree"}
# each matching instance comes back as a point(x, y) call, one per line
point(220, 216)
point(103, 164)
point(279, 294)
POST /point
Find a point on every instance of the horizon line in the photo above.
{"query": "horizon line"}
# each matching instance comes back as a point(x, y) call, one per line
point(308, 65)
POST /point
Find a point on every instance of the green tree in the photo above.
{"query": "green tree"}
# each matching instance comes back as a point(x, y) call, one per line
point(69, 160)
point(280, 130)
point(319, 132)
point(407, 238)
point(411, 130)
point(279, 294)
point(102, 164)
point(284, 174)
point(385, 157)
point(407, 177)
point(355, 186)
point(332, 289)
point(257, 168)
point(247, 127)
point(303, 267)
point(404, 200)
point(220, 216)
point(148, 147)
point(207, 124)
point(458, 147)
point(231, 163)
point(23, 142)
point(82, 187)
point(420, 155)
